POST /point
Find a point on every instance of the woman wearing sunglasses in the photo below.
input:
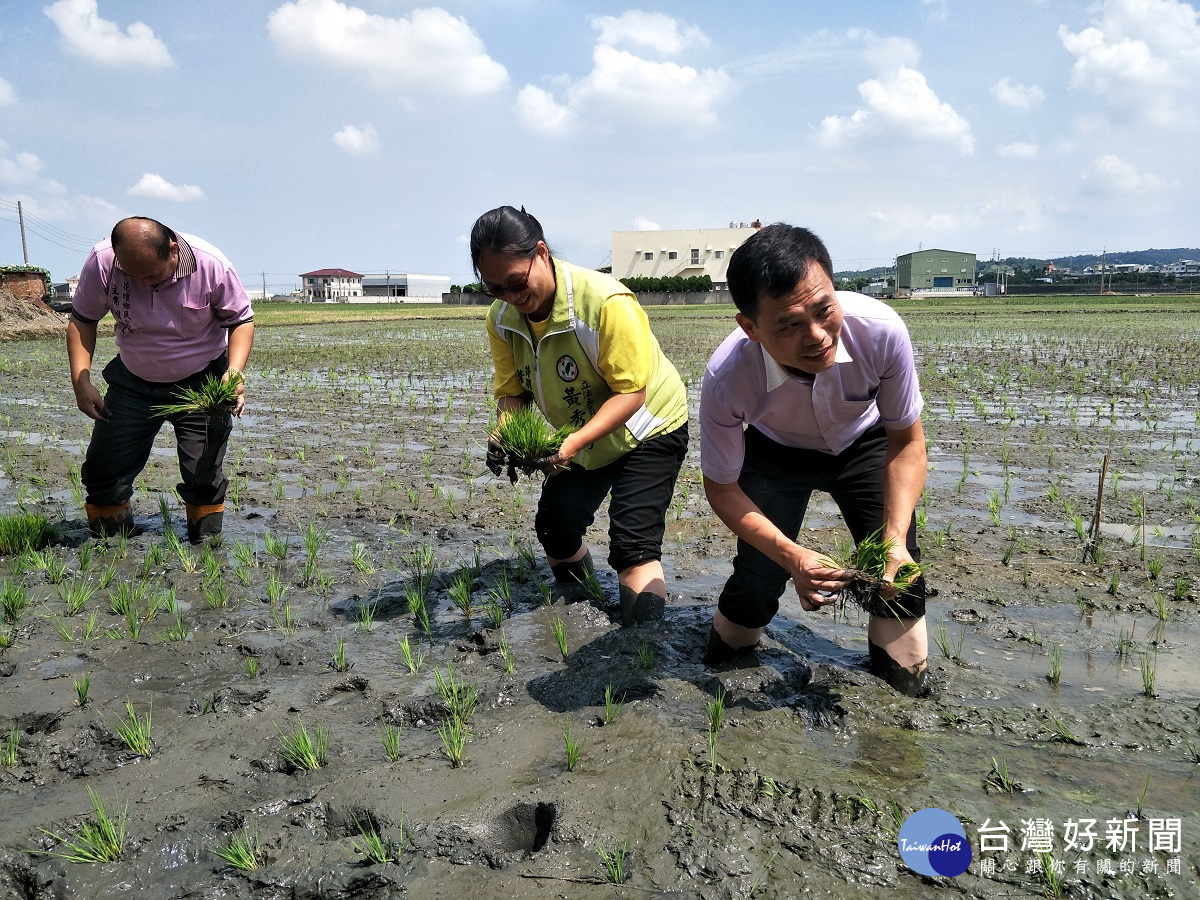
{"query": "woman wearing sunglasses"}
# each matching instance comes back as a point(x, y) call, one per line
point(578, 344)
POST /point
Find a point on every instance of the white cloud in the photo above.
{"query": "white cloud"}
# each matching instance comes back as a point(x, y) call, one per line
point(1018, 150)
point(8, 94)
point(357, 141)
point(900, 102)
point(641, 223)
point(158, 188)
point(101, 41)
point(657, 31)
point(538, 111)
point(1018, 96)
point(429, 50)
point(1111, 174)
point(1139, 55)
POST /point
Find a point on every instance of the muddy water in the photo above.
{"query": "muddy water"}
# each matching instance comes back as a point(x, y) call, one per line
point(376, 436)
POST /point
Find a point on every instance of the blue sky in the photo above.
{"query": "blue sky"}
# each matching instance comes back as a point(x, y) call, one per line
point(369, 134)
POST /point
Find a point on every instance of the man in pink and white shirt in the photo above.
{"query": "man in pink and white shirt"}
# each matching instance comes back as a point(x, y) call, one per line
point(181, 315)
point(816, 390)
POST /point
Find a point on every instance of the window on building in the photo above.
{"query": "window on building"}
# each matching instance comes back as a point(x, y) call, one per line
point(648, 256)
point(672, 255)
point(695, 257)
point(720, 254)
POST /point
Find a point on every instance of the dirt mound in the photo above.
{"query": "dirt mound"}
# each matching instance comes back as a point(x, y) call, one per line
point(23, 320)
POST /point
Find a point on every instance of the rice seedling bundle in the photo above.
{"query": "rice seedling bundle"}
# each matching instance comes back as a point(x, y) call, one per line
point(212, 397)
point(525, 438)
point(23, 531)
point(866, 564)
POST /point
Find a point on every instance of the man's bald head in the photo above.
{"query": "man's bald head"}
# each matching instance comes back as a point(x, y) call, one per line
point(146, 250)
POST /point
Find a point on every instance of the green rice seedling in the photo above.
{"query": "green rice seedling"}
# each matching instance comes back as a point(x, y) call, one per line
point(1114, 583)
point(89, 625)
point(364, 614)
point(209, 564)
point(9, 749)
point(1055, 655)
point(337, 657)
point(545, 591)
point(526, 438)
point(107, 574)
point(866, 563)
point(15, 600)
point(121, 546)
point(240, 850)
point(994, 508)
point(114, 632)
point(416, 606)
point(715, 711)
point(526, 560)
point(1080, 530)
point(460, 594)
point(20, 563)
point(134, 731)
point(572, 746)
point(999, 777)
point(360, 560)
point(56, 568)
point(612, 857)
point(85, 556)
point(1154, 567)
point(1193, 753)
point(301, 750)
point(942, 639)
point(389, 736)
point(286, 619)
point(63, 628)
point(645, 655)
point(98, 839)
point(242, 574)
point(1182, 586)
point(275, 588)
point(1007, 555)
point(594, 587)
point(1160, 606)
point(1125, 645)
point(250, 666)
point(506, 656)
point(454, 733)
point(559, 629)
point(373, 847)
point(216, 595)
point(75, 595)
point(276, 548)
point(458, 696)
point(495, 614)
point(414, 658)
point(501, 591)
point(1149, 663)
point(133, 623)
point(612, 706)
point(213, 397)
point(1052, 874)
point(164, 508)
point(7, 636)
point(24, 531)
point(245, 554)
point(1063, 733)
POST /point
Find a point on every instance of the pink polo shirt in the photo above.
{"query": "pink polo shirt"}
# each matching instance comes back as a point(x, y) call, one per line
point(176, 328)
point(873, 379)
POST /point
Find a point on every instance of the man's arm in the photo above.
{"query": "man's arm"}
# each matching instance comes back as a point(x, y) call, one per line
point(81, 345)
point(812, 572)
point(241, 339)
point(903, 480)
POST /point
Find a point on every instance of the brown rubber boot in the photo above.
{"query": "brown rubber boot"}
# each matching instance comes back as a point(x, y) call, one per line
point(573, 578)
point(908, 680)
point(644, 607)
point(204, 521)
point(110, 520)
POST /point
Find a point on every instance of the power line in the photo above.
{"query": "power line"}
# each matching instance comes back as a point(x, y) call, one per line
point(48, 226)
point(46, 238)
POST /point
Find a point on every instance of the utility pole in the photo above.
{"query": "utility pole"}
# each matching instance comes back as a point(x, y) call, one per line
point(21, 218)
point(264, 277)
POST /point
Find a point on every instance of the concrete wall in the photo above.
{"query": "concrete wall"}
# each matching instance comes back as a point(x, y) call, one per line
point(25, 285)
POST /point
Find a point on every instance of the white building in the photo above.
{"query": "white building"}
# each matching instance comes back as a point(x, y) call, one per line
point(337, 285)
point(405, 287)
point(684, 253)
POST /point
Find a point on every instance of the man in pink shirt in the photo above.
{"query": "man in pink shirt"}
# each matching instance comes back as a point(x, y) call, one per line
point(181, 316)
point(816, 390)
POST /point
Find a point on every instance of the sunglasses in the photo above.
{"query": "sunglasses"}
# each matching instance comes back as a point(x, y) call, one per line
point(513, 288)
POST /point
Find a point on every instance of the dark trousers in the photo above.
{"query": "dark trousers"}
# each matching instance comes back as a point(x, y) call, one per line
point(121, 444)
point(780, 480)
point(642, 482)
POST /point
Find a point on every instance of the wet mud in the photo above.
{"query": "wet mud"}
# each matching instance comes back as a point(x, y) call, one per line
point(369, 441)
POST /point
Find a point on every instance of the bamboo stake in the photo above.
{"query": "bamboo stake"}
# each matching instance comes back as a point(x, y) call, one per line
point(1094, 529)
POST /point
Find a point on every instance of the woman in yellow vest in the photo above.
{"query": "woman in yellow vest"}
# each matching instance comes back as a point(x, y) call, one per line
point(578, 344)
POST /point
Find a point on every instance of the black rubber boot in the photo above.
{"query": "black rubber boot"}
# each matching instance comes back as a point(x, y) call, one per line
point(718, 652)
point(204, 522)
point(573, 578)
point(908, 680)
point(644, 607)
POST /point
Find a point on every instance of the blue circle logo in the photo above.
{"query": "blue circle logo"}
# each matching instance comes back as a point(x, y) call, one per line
point(933, 842)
